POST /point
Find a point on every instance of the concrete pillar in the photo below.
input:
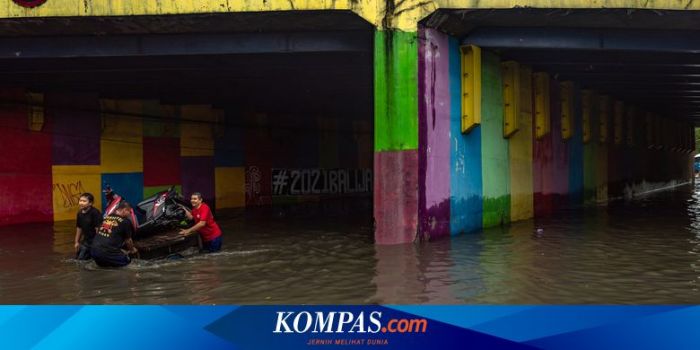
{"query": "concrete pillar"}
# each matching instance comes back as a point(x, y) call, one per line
point(434, 108)
point(395, 136)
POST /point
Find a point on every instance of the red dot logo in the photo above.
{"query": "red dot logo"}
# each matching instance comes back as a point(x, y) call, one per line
point(383, 329)
point(29, 3)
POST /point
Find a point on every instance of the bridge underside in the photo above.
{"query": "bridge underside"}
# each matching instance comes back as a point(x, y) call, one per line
point(526, 111)
point(219, 104)
point(323, 110)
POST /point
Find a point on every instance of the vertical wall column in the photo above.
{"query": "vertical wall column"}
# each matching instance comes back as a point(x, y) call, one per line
point(520, 152)
point(395, 136)
point(589, 119)
point(542, 157)
point(495, 167)
point(602, 106)
point(434, 133)
point(576, 149)
point(466, 182)
point(560, 148)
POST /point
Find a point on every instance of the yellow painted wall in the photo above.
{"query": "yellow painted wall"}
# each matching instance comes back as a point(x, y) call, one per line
point(404, 16)
point(197, 130)
point(520, 153)
point(641, 4)
point(230, 187)
point(367, 9)
point(122, 136)
point(68, 182)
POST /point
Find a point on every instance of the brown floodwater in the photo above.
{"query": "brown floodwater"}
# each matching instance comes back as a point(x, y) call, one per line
point(643, 251)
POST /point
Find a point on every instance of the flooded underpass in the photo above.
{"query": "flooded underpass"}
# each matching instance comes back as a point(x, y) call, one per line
point(639, 252)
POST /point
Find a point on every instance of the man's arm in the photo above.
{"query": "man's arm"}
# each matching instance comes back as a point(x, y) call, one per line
point(194, 228)
point(130, 248)
point(188, 213)
point(78, 234)
point(129, 243)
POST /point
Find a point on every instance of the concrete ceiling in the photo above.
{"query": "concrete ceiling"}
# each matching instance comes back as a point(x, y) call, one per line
point(647, 58)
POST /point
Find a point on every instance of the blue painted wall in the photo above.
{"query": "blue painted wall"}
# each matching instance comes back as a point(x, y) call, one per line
point(228, 149)
point(127, 185)
point(466, 203)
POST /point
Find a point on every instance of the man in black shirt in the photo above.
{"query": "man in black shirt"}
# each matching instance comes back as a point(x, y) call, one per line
point(89, 219)
point(114, 234)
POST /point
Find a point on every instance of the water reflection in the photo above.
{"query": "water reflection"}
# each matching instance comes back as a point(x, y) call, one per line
point(644, 251)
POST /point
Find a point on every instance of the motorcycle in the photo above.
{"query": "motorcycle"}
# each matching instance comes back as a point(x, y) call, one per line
point(161, 212)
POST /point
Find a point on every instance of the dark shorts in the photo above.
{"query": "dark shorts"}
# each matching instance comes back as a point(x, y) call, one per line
point(83, 253)
point(212, 246)
point(110, 260)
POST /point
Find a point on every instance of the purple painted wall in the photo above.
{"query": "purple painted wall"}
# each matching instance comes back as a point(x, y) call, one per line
point(198, 176)
point(434, 134)
point(76, 123)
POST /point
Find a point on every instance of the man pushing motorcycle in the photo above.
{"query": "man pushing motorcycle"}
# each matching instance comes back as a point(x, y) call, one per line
point(204, 224)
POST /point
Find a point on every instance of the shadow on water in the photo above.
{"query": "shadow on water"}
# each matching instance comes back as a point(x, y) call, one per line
point(644, 251)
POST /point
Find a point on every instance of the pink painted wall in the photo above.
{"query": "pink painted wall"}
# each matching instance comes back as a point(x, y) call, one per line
point(434, 134)
point(396, 202)
point(560, 150)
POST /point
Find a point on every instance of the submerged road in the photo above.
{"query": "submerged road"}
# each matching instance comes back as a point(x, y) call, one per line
point(642, 251)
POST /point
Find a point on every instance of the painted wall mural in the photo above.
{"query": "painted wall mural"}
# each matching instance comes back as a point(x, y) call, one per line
point(140, 147)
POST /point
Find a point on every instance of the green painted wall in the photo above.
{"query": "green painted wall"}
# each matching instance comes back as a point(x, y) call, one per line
point(495, 160)
point(151, 190)
point(395, 91)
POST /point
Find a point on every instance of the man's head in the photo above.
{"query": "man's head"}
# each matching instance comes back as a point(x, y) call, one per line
point(196, 199)
point(86, 200)
point(123, 209)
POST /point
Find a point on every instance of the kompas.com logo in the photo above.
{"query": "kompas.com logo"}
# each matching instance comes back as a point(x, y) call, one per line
point(344, 322)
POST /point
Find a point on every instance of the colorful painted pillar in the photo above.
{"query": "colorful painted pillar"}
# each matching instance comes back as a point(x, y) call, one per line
point(560, 149)
point(395, 136)
point(589, 120)
point(615, 150)
point(495, 166)
point(576, 151)
point(466, 182)
point(520, 152)
point(602, 108)
point(542, 156)
point(434, 133)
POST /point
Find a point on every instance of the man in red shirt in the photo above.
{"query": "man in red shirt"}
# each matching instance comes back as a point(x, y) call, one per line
point(204, 224)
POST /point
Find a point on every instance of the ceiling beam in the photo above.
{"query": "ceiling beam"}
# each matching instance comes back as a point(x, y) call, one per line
point(673, 41)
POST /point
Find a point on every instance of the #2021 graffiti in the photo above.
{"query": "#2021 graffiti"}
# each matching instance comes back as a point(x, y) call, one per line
point(294, 182)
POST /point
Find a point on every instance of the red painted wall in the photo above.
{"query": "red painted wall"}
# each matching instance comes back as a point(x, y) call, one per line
point(25, 167)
